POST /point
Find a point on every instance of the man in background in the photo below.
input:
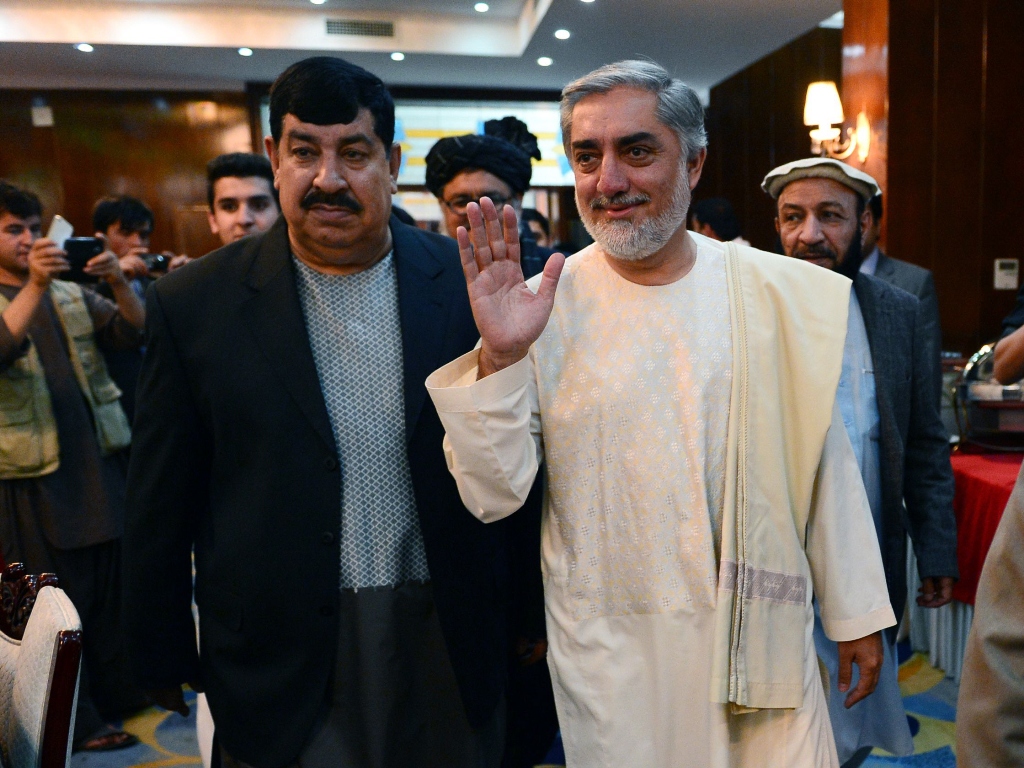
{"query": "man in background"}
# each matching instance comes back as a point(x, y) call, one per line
point(910, 277)
point(62, 447)
point(539, 226)
point(714, 217)
point(497, 165)
point(886, 399)
point(125, 224)
point(240, 192)
point(1008, 365)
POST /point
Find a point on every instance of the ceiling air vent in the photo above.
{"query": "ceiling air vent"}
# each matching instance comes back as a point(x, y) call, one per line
point(360, 28)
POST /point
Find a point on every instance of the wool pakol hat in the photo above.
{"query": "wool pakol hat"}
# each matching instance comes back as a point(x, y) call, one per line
point(820, 168)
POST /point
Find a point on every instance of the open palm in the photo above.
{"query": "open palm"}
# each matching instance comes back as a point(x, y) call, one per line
point(509, 316)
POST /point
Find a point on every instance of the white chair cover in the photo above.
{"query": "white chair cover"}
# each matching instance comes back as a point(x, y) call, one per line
point(26, 673)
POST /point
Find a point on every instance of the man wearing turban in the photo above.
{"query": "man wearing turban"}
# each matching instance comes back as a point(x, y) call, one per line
point(462, 169)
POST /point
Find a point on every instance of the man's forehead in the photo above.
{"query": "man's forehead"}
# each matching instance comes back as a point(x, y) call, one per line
point(815, 192)
point(141, 229)
point(474, 180)
point(8, 219)
point(362, 125)
point(617, 114)
point(240, 186)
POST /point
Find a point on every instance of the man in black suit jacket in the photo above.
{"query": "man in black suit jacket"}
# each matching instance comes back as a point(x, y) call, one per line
point(910, 277)
point(891, 415)
point(333, 631)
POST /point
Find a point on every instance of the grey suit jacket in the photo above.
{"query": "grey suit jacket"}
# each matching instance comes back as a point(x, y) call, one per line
point(917, 478)
point(918, 281)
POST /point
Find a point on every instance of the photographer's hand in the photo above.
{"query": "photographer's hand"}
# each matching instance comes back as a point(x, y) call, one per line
point(177, 261)
point(133, 266)
point(45, 262)
point(108, 267)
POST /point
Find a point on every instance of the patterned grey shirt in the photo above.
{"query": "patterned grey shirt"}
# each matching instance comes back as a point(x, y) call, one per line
point(356, 337)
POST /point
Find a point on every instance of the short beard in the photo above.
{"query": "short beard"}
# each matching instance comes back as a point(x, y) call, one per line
point(626, 241)
point(848, 265)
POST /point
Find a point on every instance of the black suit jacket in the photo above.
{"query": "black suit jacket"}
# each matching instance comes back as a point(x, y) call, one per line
point(914, 449)
point(234, 454)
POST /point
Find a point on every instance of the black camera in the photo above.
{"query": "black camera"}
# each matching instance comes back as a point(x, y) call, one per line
point(79, 251)
point(156, 262)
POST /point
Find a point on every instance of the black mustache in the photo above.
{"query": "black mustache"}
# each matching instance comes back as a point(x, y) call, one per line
point(818, 251)
point(336, 199)
point(619, 198)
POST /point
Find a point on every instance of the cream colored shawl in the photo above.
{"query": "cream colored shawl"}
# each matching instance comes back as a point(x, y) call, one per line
point(788, 330)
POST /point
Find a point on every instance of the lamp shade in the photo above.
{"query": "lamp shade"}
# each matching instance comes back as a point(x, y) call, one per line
point(823, 106)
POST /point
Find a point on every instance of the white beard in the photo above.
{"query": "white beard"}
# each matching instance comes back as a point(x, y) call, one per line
point(626, 241)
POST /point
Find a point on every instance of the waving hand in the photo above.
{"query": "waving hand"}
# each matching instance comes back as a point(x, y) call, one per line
point(509, 316)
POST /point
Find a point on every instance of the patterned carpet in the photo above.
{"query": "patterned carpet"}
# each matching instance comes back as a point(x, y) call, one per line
point(930, 698)
point(167, 739)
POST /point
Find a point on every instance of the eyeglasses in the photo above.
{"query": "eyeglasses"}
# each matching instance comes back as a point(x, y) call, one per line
point(458, 204)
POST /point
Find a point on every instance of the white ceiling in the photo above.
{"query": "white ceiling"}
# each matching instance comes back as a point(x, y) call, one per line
point(502, 8)
point(191, 44)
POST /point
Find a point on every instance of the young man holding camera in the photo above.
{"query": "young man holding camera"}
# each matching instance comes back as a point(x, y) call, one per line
point(124, 224)
point(62, 458)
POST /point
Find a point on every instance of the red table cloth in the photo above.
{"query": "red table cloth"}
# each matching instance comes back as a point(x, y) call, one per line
point(983, 486)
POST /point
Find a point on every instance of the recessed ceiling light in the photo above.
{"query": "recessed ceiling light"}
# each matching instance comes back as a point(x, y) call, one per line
point(245, 51)
point(321, 2)
point(398, 56)
point(545, 61)
point(588, 1)
point(481, 7)
point(562, 34)
point(84, 48)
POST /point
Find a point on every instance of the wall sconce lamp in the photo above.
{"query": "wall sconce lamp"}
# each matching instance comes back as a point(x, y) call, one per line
point(824, 109)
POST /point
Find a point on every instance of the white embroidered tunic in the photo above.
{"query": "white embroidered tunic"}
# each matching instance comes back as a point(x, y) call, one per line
point(628, 394)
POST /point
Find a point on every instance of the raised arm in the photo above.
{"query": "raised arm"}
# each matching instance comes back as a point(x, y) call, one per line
point(45, 263)
point(487, 399)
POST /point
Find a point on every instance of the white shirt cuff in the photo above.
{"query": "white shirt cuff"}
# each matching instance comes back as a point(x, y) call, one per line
point(454, 387)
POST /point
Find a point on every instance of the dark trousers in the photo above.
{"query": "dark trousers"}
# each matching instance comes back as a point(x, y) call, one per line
point(393, 701)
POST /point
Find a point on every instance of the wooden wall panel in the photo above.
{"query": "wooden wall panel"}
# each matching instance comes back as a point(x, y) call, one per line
point(153, 146)
point(1002, 188)
point(956, 199)
point(865, 84)
point(955, 186)
point(909, 210)
point(755, 122)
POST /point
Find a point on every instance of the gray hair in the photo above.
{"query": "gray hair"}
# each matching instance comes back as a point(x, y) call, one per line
point(679, 107)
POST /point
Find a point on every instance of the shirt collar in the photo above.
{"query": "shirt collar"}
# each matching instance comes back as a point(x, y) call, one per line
point(870, 264)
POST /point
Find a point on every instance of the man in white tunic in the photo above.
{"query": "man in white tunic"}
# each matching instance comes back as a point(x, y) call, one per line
point(680, 395)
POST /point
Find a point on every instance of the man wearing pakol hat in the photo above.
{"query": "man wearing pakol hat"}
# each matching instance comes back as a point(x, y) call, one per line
point(679, 393)
point(463, 169)
point(886, 397)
